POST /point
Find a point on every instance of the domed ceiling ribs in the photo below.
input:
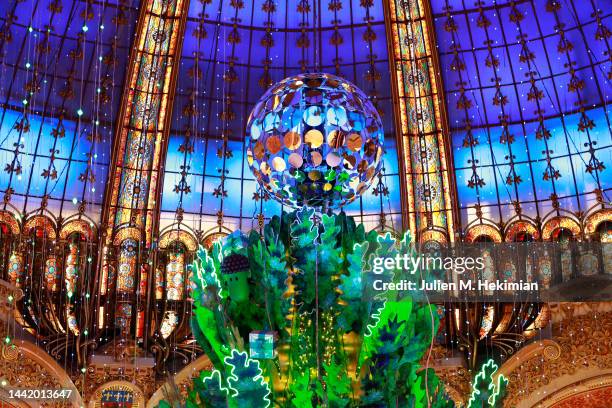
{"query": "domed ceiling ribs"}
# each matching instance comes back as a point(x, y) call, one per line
point(527, 85)
point(420, 114)
point(232, 52)
point(58, 61)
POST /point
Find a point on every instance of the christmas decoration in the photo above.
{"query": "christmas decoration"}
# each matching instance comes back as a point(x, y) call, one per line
point(235, 270)
point(315, 140)
point(487, 390)
point(261, 344)
point(339, 342)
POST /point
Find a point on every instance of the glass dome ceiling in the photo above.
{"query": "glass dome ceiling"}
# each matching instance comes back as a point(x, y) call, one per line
point(528, 90)
point(232, 52)
point(526, 85)
point(62, 64)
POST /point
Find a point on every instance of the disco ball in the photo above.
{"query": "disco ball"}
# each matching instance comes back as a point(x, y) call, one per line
point(315, 140)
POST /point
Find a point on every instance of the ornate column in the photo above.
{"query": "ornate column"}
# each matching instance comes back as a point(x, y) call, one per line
point(429, 203)
point(139, 148)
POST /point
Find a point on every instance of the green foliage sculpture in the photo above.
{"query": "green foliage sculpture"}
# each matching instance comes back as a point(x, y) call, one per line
point(338, 342)
point(488, 391)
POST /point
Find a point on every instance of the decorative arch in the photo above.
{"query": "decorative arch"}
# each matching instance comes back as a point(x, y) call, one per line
point(214, 234)
point(594, 392)
point(520, 226)
point(182, 236)
point(592, 221)
point(433, 235)
point(556, 223)
point(485, 230)
point(547, 372)
point(26, 363)
point(125, 233)
point(10, 221)
point(40, 221)
point(87, 229)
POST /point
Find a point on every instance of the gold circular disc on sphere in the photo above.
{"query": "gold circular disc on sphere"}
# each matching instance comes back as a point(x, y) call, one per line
point(317, 159)
point(370, 148)
point(335, 139)
point(354, 142)
point(265, 169)
point(258, 150)
point(273, 144)
point(292, 140)
point(279, 164)
point(313, 138)
point(349, 162)
point(370, 173)
point(314, 175)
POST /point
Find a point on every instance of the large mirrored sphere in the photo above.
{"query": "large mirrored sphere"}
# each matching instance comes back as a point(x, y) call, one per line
point(315, 140)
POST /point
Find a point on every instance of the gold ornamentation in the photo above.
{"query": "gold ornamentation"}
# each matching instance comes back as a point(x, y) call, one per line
point(118, 386)
point(10, 352)
point(481, 230)
point(182, 236)
point(560, 222)
point(521, 226)
point(82, 227)
point(584, 345)
point(43, 222)
point(592, 221)
point(9, 220)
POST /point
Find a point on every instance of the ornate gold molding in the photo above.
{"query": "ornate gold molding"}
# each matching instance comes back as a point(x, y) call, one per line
point(182, 379)
point(25, 365)
point(568, 396)
point(581, 350)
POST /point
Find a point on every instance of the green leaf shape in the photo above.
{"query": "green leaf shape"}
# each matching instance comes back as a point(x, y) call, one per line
point(301, 393)
point(205, 279)
point(394, 331)
point(212, 391)
point(246, 382)
point(337, 386)
point(486, 391)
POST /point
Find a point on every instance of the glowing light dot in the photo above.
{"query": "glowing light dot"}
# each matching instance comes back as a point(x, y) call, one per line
point(28, 65)
point(30, 29)
point(80, 112)
point(102, 27)
point(7, 340)
point(25, 101)
point(85, 28)
point(74, 201)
